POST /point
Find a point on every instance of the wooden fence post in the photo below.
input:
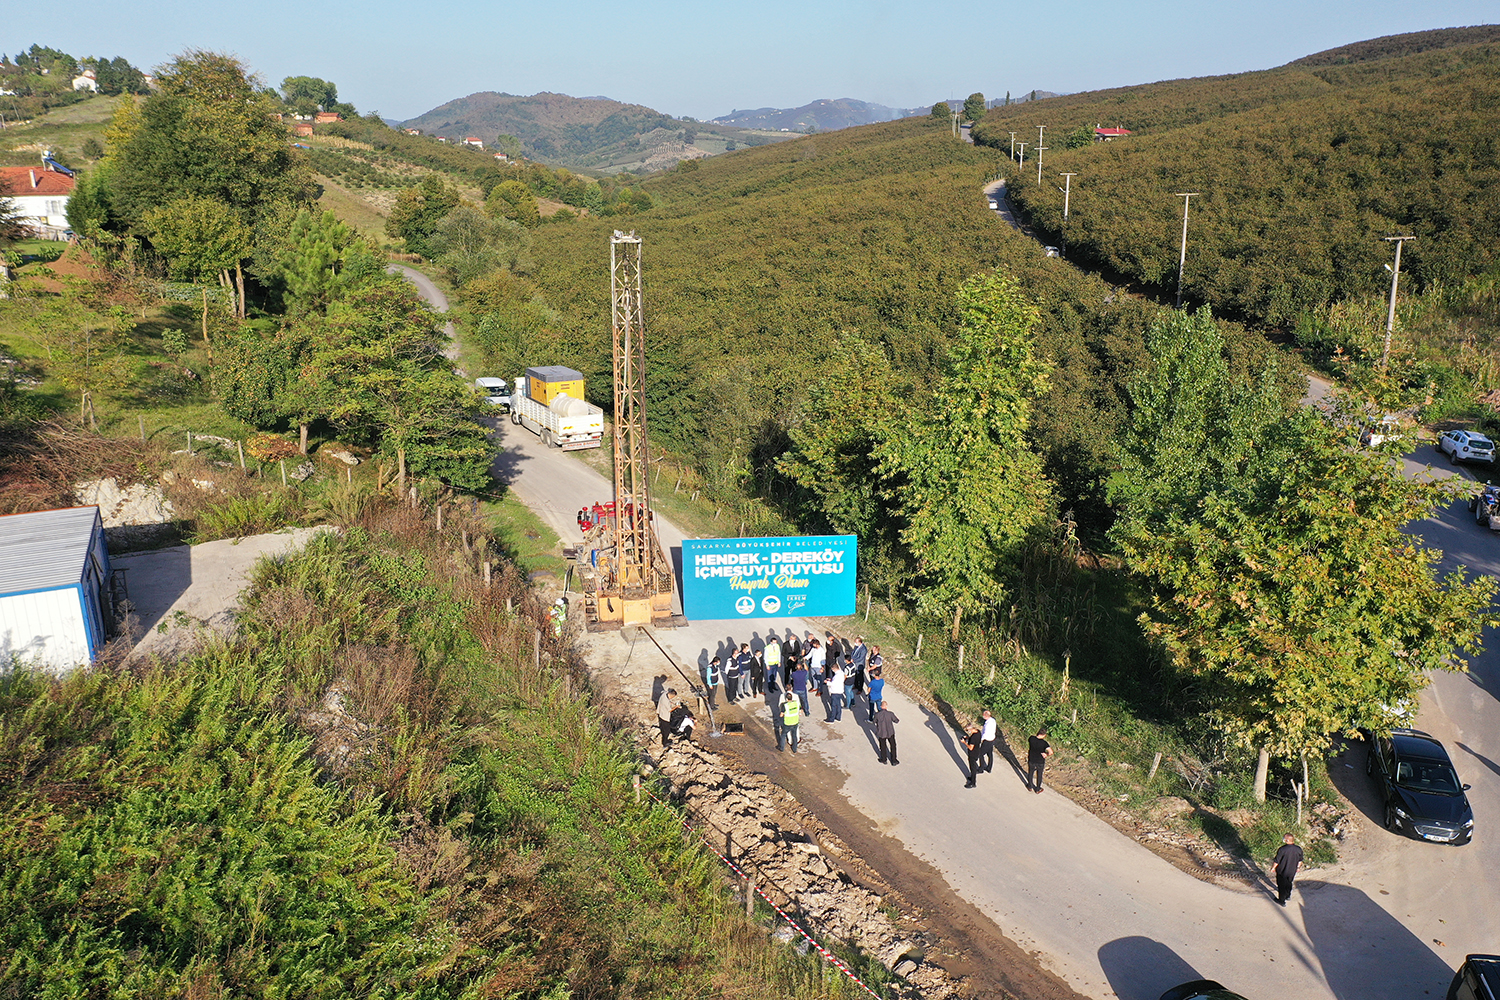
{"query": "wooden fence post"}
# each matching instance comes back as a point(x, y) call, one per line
point(960, 658)
point(143, 425)
point(536, 649)
point(240, 447)
point(918, 654)
point(283, 472)
point(636, 782)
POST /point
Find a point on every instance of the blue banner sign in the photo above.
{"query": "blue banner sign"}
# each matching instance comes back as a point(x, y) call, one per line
point(810, 575)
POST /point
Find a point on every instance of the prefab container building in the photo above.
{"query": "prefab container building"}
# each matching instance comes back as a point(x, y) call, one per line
point(54, 588)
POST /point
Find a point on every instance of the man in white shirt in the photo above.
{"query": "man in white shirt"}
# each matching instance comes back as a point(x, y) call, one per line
point(987, 734)
point(836, 692)
point(664, 706)
point(775, 679)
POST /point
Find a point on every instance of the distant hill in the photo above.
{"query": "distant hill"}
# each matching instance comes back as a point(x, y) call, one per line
point(1301, 170)
point(591, 133)
point(821, 116)
point(1401, 45)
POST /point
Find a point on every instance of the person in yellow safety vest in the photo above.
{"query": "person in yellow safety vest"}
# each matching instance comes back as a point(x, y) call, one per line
point(559, 615)
point(788, 722)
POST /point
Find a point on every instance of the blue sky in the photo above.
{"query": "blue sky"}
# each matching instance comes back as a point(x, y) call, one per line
point(704, 59)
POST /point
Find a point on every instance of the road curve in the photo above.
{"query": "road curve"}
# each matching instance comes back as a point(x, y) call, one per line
point(435, 298)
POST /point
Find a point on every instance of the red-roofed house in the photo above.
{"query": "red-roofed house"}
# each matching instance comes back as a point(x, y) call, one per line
point(1103, 134)
point(473, 141)
point(41, 198)
point(325, 117)
point(302, 128)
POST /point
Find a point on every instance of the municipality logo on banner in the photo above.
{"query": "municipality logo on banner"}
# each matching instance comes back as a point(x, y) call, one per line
point(744, 577)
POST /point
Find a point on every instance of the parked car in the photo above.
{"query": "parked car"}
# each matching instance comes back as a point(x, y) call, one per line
point(1200, 989)
point(496, 392)
point(1377, 431)
point(1477, 979)
point(1467, 446)
point(1421, 792)
point(1485, 506)
point(1053, 252)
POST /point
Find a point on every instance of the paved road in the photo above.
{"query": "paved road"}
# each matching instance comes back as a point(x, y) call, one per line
point(435, 298)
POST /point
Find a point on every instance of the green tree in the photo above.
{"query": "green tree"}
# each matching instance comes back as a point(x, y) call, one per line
point(417, 212)
point(967, 483)
point(118, 76)
point(13, 227)
point(942, 112)
point(85, 346)
point(834, 433)
point(974, 107)
point(387, 379)
point(306, 94)
point(319, 260)
point(203, 240)
point(513, 200)
point(1079, 137)
point(468, 245)
point(207, 132)
point(88, 205)
point(1281, 577)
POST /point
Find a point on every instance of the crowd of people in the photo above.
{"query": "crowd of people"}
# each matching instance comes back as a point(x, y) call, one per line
point(788, 671)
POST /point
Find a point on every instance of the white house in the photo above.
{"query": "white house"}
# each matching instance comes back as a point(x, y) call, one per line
point(54, 588)
point(41, 197)
point(86, 81)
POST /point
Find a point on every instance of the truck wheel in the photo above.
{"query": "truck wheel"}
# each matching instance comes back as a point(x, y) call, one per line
point(515, 418)
point(547, 437)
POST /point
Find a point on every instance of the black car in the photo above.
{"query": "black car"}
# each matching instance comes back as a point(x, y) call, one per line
point(1478, 979)
point(1422, 793)
point(1200, 989)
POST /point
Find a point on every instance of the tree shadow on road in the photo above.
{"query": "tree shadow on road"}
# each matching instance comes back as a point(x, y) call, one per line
point(1365, 953)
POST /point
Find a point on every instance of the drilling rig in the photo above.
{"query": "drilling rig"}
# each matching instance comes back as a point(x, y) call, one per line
point(627, 578)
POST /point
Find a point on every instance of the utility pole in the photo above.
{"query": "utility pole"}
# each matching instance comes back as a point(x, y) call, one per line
point(957, 131)
point(1187, 197)
point(1023, 154)
point(1012, 145)
point(1067, 191)
point(1390, 319)
point(1039, 164)
point(1039, 137)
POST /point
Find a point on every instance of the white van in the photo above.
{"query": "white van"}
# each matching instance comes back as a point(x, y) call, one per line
point(496, 392)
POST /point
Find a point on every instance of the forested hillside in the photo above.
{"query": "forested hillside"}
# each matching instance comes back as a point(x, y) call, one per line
point(1301, 170)
point(581, 132)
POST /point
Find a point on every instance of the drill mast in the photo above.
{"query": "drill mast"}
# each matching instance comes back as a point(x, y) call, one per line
point(634, 580)
point(634, 544)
